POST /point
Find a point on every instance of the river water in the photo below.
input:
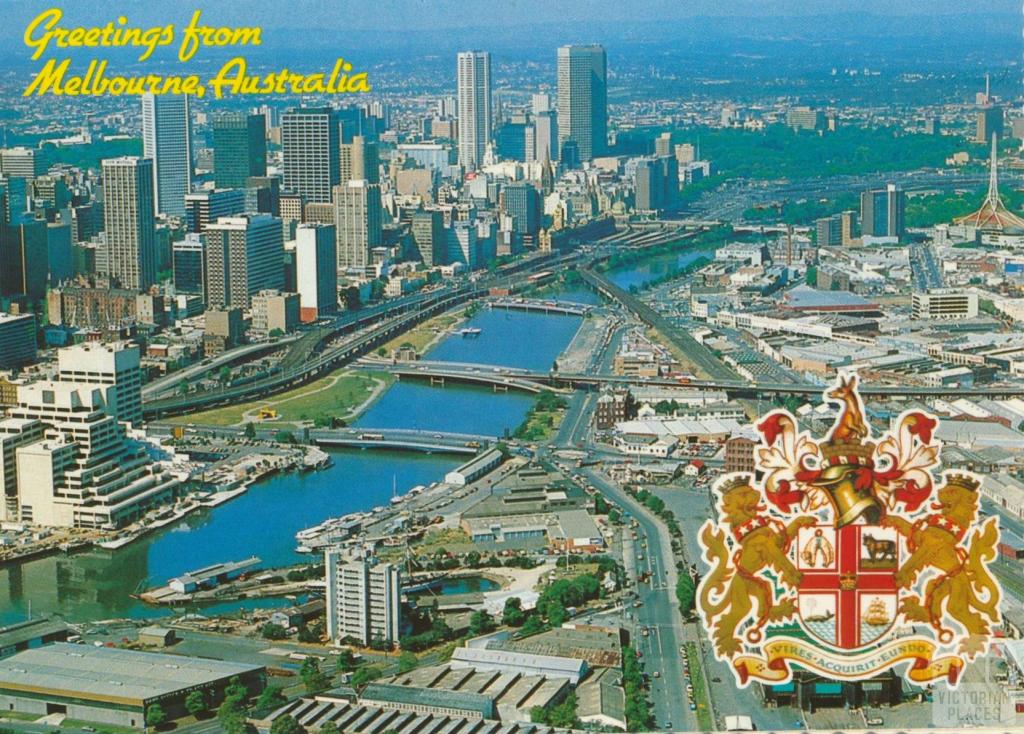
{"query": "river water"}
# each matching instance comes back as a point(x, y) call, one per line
point(98, 584)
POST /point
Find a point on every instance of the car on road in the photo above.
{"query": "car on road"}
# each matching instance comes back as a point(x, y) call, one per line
point(657, 674)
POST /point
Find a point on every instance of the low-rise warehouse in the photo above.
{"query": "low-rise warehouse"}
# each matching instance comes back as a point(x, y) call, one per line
point(504, 661)
point(112, 686)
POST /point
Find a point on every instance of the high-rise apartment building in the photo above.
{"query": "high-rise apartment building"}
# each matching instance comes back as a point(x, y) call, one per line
point(881, 212)
point(167, 141)
point(316, 270)
point(129, 223)
point(22, 162)
point(828, 231)
point(311, 147)
point(239, 148)
point(363, 599)
point(583, 99)
point(244, 255)
point(358, 218)
point(474, 89)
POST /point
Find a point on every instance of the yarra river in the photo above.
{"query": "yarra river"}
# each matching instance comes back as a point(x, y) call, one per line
point(98, 584)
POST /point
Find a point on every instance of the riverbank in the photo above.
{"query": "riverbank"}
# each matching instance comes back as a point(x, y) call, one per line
point(342, 395)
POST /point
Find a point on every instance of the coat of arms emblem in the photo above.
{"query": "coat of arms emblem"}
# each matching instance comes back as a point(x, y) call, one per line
point(849, 556)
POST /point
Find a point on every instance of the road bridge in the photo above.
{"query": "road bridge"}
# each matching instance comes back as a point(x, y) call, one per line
point(500, 378)
point(534, 304)
point(364, 438)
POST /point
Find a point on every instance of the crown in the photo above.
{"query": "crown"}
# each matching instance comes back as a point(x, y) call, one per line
point(847, 581)
point(963, 481)
point(738, 481)
point(847, 453)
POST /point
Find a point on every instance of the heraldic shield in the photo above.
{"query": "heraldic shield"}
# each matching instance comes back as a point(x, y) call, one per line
point(837, 553)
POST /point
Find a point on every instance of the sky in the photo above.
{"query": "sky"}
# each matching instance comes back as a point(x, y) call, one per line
point(438, 14)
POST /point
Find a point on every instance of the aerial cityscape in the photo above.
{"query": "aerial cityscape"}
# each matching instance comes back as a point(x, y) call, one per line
point(576, 367)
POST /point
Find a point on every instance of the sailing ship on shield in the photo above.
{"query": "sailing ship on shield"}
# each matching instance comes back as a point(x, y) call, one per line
point(842, 543)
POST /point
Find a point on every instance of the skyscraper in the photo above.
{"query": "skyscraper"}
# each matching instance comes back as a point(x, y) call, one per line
point(116, 364)
point(881, 212)
point(656, 183)
point(358, 217)
point(360, 160)
point(316, 270)
point(583, 99)
point(167, 141)
point(990, 122)
point(474, 87)
point(244, 255)
point(311, 144)
point(363, 599)
point(24, 261)
point(129, 221)
point(428, 234)
point(522, 204)
point(239, 148)
point(545, 136)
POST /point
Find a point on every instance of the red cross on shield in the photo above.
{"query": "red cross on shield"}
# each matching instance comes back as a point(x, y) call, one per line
point(847, 597)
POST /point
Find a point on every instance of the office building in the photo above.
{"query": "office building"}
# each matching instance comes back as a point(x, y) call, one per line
point(363, 599)
point(223, 328)
point(663, 145)
point(107, 363)
point(59, 252)
point(311, 148)
point(805, 118)
point(360, 160)
point(358, 218)
point(522, 204)
point(187, 263)
point(239, 148)
point(107, 685)
point(26, 163)
point(129, 222)
point(828, 231)
point(583, 100)
point(474, 90)
point(84, 471)
point(17, 340)
point(462, 244)
point(428, 235)
point(14, 433)
point(847, 227)
point(274, 313)
point(990, 122)
point(263, 195)
point(545, 136)
point(205, 207)
point(167, 141)
point(244, 255)
point(881, 213)
point(316, 270)
point(24, 259)
point(656, 183)
point(944, 304)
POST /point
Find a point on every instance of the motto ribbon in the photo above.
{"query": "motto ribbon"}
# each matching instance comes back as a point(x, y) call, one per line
point(780, 651)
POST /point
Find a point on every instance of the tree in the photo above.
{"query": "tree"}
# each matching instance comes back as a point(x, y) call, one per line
point(273, 631)
point(346, 661)
point(329, 728)
point(284, 437)
point(250, 430)
point(685, 594)
point(276, 334)
point(407, 661)
point(155, 715)
point(183, 387)
point(224, 376)
point(314, 679)
point(364, 675)
point(513, 614)
point(480, 623)
point(533, 625)
point(195, 703)
point(556, 613)
point(270, 698)
point(231, 714)
point(286, 725)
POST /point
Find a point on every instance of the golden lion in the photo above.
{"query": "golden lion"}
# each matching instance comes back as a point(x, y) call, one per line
point(729, 592)
point(962, 585)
